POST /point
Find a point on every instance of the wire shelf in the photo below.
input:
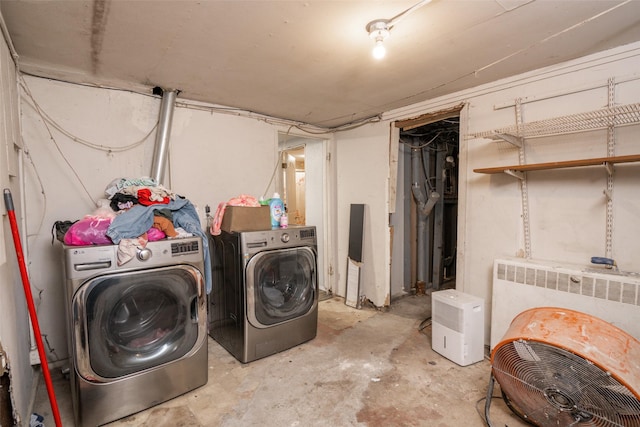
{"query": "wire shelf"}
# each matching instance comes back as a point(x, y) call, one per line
point(621, 115)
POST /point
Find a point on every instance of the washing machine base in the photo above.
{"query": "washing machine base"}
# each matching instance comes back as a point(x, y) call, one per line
point(100, 403)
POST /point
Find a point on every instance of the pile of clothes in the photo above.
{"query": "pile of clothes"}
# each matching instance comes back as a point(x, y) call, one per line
point(153, 205)
point(140, 210)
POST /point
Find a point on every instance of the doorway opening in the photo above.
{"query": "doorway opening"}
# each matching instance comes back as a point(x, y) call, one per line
point(302, 187)
point(428, 212)
point(293, 185)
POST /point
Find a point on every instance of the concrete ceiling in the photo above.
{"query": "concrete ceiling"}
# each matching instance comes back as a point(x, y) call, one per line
point(307, 61)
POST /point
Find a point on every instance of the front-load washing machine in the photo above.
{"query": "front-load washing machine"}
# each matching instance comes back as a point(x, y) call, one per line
point(137, 332)
point(265, 290)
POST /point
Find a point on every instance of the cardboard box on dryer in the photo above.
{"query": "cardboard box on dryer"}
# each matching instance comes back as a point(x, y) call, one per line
point(246, 218)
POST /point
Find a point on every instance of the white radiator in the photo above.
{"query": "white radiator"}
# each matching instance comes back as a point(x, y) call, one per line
point(520, 284)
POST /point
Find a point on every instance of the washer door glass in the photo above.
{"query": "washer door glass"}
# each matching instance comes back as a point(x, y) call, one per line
point(283, 285)
point(138, 320)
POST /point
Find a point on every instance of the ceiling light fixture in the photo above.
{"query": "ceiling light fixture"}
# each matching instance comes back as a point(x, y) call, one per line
point(380, 29)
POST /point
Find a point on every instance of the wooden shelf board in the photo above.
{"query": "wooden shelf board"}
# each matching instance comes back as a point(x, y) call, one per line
point(562, 164)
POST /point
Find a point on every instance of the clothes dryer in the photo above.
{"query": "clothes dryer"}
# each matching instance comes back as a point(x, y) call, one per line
point(137, 332)
point(265, 290)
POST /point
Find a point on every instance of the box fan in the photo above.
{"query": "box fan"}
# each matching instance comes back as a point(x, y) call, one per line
point(559, 367)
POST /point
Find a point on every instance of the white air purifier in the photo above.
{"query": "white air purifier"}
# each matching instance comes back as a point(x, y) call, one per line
point(457, 321)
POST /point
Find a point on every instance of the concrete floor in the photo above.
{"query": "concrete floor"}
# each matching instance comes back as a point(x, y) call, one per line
point(366, 367)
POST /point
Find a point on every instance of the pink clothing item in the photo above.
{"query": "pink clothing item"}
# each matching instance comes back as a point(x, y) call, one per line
point(92, 229)
point(241, 200)
point(153, 234)
point(217, 219)
point(88, 231)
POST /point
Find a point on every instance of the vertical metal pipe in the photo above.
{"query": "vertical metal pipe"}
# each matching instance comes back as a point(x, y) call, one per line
point(438, 226)
point(420, 160)
point(161, 148)
point(419, 194)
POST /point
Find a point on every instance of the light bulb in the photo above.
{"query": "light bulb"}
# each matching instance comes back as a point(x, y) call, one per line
point(379, 50)
point(378, 31)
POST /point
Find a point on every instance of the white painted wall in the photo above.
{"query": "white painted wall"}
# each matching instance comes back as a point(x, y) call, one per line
point(215, 157)
point(362, 170)
point(212, 157)
point(315, 201)
point(14, 317)
point(65, 178)
point(567, 207)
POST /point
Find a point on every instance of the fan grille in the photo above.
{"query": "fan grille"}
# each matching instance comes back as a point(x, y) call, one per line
point(554, 387)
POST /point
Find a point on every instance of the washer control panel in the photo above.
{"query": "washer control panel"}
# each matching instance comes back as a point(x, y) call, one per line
point(181, 248)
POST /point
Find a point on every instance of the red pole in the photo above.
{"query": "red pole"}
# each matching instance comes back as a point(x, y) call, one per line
point(8, 201)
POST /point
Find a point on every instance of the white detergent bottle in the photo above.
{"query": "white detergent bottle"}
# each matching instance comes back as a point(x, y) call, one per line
point(277, 208)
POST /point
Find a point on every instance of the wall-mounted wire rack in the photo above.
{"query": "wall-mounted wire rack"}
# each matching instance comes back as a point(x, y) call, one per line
point(607, 119)
point(620, 115)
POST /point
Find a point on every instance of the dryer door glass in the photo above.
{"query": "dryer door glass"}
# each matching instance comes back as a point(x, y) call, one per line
point(283, 283)
point(139, 320)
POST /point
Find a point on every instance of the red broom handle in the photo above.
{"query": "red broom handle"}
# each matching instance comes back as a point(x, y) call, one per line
point(8, 201)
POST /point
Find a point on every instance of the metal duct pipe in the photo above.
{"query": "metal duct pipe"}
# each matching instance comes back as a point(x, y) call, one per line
point(438, 226)
point(161, 148)
point(425, 206)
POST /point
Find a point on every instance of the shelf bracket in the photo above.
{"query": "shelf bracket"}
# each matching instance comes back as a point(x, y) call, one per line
point(609, 167)
point(514, 173)
point(511, 139)
point(607, 194)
